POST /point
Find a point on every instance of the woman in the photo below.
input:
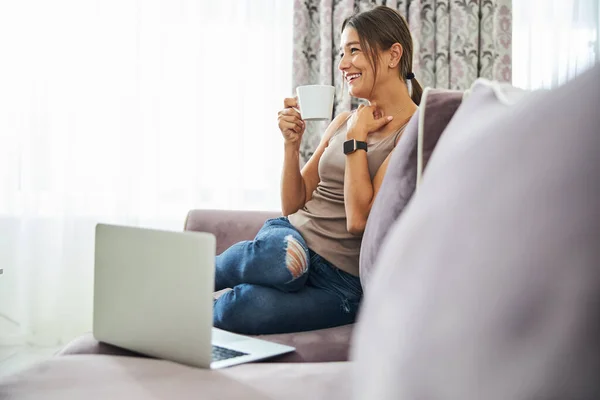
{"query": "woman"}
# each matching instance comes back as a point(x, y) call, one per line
point(301, 271)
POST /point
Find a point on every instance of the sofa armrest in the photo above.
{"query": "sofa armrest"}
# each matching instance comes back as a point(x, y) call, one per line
point(228, 226)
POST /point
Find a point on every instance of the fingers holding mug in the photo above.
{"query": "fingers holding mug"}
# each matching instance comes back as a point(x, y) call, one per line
point(290, 102)
point(290, 112)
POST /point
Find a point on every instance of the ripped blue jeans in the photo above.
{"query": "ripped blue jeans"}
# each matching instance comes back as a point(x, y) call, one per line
point(280, 285)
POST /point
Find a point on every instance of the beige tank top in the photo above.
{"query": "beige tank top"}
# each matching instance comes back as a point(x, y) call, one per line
point(322, 220)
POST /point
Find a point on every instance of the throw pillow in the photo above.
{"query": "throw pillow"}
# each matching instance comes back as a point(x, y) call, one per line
point(488, 285)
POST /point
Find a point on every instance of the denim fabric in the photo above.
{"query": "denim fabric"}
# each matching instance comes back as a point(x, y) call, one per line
point(267, 298)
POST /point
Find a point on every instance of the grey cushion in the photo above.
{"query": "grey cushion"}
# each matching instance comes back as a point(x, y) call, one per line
point(488, 285)
point(399, 183)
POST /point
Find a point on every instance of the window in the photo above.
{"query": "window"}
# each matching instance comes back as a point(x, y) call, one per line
point(553, 40)
point(132, 112)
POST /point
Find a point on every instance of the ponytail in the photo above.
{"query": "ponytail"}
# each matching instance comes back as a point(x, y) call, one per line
point(417, 91)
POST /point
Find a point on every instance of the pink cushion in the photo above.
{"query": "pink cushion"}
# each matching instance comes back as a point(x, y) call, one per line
point(126, 378)
point(322, 345)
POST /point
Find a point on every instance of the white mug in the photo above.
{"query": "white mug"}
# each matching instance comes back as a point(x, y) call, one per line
point(316, 102)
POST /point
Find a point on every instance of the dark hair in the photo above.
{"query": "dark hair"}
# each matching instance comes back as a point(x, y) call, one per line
point(378, 29)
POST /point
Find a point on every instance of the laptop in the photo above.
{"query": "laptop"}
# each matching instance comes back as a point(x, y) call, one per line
point(153, 294)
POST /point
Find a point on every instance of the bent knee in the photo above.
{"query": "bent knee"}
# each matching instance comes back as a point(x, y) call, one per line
point(232, 312)
point(296, 259)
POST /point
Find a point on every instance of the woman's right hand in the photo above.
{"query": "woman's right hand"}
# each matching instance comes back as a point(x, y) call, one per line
point(291, 124)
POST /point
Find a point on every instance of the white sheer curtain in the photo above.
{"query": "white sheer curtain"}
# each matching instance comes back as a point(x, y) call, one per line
point(553, 41)
point(131, 112)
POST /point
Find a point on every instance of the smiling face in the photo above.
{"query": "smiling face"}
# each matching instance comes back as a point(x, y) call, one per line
point(376, 54)
point(355, 65)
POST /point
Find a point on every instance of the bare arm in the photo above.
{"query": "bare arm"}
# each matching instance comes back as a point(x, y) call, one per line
point(359, 190)
point(297, 186)
point(310, 172)
point(293, 189)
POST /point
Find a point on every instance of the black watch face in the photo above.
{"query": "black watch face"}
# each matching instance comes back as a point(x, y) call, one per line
point(348, 146)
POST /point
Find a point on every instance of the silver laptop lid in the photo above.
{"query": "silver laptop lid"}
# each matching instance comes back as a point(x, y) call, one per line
point(153, 292)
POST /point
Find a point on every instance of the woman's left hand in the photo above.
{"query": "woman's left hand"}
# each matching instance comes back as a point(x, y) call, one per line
point(366, 119)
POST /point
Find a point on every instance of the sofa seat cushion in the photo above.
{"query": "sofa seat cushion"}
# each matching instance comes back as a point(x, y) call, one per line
point(111, 377)
point(322, 345)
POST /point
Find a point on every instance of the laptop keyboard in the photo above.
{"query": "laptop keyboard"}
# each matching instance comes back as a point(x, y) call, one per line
point(221, 353)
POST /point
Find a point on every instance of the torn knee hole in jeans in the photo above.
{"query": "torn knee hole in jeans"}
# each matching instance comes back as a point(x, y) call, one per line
point(295, 259)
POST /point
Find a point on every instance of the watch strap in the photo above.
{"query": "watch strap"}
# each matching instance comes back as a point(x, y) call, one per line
point(351, 145)
point(361, 145)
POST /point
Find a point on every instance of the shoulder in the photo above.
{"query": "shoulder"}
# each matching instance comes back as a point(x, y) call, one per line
point(342, 117)
point(401, 131)
point(335, 125)
point(340, 120)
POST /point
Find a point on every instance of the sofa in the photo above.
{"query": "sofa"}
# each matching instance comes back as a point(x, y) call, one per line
point(484, 283)
point(229, 226)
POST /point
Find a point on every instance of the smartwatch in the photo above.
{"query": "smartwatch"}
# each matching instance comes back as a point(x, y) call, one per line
point(350, 146)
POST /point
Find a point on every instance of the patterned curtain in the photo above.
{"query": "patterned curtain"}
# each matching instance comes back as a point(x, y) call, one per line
point(455, 42)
